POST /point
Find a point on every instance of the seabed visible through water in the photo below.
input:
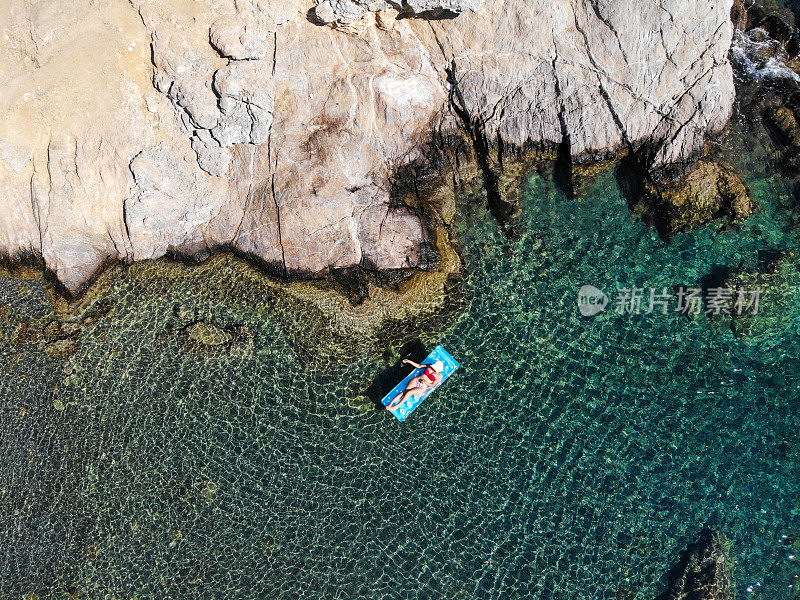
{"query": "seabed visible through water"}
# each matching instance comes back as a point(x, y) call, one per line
point(570, 458)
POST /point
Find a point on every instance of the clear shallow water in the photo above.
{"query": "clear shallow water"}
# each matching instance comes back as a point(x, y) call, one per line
point(570, 458)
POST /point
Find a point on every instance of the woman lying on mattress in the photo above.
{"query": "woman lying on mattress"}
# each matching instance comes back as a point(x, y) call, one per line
point(430, 377)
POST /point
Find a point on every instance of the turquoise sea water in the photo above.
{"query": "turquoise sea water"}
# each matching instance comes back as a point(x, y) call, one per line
point(570, 458)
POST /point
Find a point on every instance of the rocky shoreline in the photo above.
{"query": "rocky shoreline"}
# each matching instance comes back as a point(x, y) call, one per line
point(281, 131)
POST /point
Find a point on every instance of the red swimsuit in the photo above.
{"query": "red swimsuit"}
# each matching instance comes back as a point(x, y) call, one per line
point(430, 374)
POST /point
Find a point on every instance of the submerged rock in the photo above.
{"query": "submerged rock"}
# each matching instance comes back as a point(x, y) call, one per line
point(765, 295)
point(778, 21)
point(208, 337)
point(56, 330)
point(709, 190)
point(20, 334)
point(703, 571)
point(782, 123)
point(785, 121)
point(61, 349)
point(353, 282)
point(207, 334)
point(324, 327)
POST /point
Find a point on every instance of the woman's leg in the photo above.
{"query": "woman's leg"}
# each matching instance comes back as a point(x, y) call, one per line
point(401, 397)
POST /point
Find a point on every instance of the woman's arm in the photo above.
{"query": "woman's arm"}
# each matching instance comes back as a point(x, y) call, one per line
point(411, 362)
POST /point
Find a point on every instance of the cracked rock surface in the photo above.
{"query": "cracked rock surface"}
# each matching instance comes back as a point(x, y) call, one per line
point(348, 11)
point(130, 129)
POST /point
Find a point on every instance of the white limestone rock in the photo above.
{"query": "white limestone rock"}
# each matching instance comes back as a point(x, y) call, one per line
point(132, 128)
point(211, 156)
point(238, 38)
point(348, 11)
point(393, 238)
point(183, 73)
point(171, 204)
point(453, 6)
point(246, 95)
point(603, 72)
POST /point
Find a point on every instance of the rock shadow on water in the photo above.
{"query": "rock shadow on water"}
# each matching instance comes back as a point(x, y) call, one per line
point(631, 178)
point(717, 277)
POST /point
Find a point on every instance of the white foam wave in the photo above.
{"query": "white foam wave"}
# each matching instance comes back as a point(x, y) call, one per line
point(760, 57)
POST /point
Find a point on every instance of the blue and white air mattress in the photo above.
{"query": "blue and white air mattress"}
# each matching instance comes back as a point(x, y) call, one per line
point(412, 402)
